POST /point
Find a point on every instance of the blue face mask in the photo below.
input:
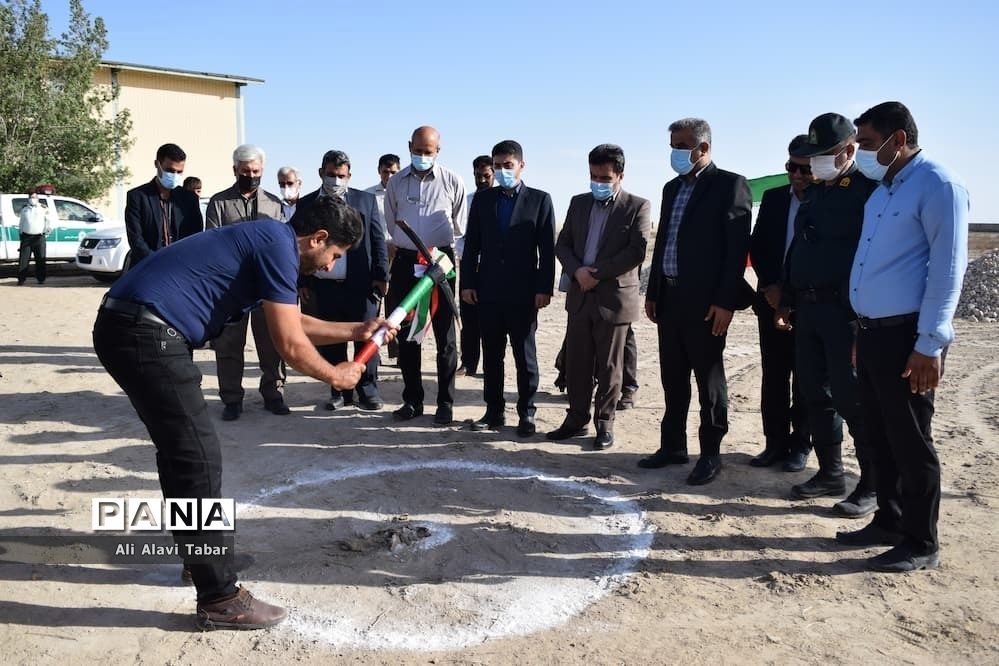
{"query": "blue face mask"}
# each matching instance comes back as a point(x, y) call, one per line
point(422, 162)
point(601, 191)
point(169, 179)
point(679, 159)
point(505, 178)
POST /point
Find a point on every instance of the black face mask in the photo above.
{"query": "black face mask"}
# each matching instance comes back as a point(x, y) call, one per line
point(247, 183)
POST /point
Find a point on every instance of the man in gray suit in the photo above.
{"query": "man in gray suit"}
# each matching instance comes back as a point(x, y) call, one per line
point(358, 281)
point(246, 201)
point(601, 247)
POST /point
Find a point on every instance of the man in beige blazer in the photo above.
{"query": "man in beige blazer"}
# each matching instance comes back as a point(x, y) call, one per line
point(601, 247)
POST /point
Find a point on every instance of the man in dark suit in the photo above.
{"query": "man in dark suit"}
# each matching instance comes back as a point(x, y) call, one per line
point(695, 285)
point(353, 289)
point(161, 211)
point(601, 246)
point(508, 271)
point(782, 406)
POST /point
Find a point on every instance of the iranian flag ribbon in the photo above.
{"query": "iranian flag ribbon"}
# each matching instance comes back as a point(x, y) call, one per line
point(422, 317)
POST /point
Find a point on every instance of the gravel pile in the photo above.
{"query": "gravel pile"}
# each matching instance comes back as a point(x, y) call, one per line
point(980, 295)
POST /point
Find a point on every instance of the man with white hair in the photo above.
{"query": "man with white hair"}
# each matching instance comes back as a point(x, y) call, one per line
point(245, 201)
point(291, 188)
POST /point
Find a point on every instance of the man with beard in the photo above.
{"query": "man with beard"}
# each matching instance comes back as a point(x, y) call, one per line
point(179, 298)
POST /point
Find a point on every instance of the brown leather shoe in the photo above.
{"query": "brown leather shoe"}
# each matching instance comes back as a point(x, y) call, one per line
point(240, 611)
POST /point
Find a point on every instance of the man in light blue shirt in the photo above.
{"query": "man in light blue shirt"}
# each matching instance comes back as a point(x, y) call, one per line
point(904, 287)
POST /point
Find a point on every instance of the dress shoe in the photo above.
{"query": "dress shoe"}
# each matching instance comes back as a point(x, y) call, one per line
point(565, 431)
point(869, 535)
point(408, 411)
point(768, 458)
point(705, 470)
point(819, 485)
point(370, 405)
point(240, 611)
point(627, 401)
point(443, 417)
point(277, 406)
point(526, 426)
point(662, 458)
point(335, 402)
point(796, 460)
point(488, 422)
point(231, 411)
point(902, 559)
point(464, 371)
point(603, 440)
point(857, 504)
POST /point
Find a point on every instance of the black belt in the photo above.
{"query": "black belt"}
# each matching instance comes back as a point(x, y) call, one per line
point(886, 322)
point(138, 311)
point(820, 295)
point(671, 281)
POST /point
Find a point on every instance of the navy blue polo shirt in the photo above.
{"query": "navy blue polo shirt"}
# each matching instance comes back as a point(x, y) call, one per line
point(204, 280)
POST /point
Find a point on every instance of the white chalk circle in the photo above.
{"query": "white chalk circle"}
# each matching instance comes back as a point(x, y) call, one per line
point(436, 555)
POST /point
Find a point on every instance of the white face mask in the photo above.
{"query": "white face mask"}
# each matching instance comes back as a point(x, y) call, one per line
point(867, 162)
point(289, 193)
point(824, 166)
point(335, 186)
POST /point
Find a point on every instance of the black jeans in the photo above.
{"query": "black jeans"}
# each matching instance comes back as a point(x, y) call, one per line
point(782, 405)
point(900, 424)
point(519, 323)
point(341, 301)
point(410, 353)
point(31, 244)
point(153, 366)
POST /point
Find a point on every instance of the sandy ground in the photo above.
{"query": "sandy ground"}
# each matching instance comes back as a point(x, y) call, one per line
point(504, 551)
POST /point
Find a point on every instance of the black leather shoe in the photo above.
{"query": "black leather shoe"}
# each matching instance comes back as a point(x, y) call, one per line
point(464, 371)
point(819, 485)
point(526, 427)
point(627, 401)
point(795, 461)
point(768, 458)
point(408, 411)
point(372, 405)
point(857, 504)
point(231, 411)
point(565, 431)
point(443, 417)
point(604, 440)
point(488, 422)
point(277, 406)
point(663, 458)
point(901, 559)
point(705, 470)
point(869, 535)
point(335, 402)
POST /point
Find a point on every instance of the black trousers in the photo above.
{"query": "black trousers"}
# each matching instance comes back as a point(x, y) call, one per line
point(410, 361)
point(31, 244)
point(900, 425)
point(686, 346)
point(471, 336)
point(342, 301)
point(823, 348)
point(782, 405)
point(518, 324)
point(153, 366)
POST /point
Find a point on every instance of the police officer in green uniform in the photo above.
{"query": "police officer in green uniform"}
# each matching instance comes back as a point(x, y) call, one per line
point(817, 274)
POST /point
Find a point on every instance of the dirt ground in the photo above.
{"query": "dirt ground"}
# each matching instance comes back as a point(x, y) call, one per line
point(410, 544)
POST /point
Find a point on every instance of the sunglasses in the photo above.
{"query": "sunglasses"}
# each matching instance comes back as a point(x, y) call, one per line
point(803, 169)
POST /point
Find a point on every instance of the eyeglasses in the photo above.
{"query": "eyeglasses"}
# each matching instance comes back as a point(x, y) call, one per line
point(803, 169)
point(290, 183)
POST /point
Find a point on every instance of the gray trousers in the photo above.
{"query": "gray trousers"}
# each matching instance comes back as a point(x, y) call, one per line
point(229, 360)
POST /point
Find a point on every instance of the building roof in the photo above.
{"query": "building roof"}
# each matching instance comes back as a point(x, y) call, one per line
point(234, 78)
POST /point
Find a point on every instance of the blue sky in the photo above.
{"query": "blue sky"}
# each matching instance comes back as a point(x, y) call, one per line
point(561, 77)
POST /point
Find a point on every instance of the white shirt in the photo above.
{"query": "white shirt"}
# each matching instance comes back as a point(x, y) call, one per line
point(379, 191)
point(34, 220)
point(459, 242)
point(434, 206)
point(791, 214)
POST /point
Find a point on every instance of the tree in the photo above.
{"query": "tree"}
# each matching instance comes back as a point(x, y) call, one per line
point(55, 123)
